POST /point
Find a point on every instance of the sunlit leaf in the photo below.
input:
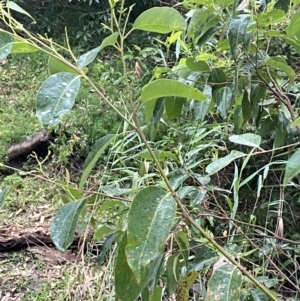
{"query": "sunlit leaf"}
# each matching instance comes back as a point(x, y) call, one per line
point(87, 58)
point(14, 6)
point(168, 87)
point(159, 154)
point(294, 24)
point(292, 167)
point(63, 225)
point(155, 209)
point(56, 97)
point(219, 164)
point(247, 139)
point(160, 20)
point(23, 47)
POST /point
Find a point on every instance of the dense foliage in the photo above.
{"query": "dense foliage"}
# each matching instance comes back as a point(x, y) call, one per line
point(198, 182)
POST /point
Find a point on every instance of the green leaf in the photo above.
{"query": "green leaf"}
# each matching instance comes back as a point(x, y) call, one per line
point(172, 273)
point(159, 154)
point(6, 42)
point(62, 228)
point(169, 87)
point(126, 285)
point(258, 295)
point(292, 167)
point(12, 5)
point(23, 47)
point(247, 139)
point(56, 65)
point(201, 107)
point(279, 63)
point(56, 97)
point(149, 222)
point(97, 150)
point(217, 76)
point(148, 110)
point(184, 286)
point(3, 194)
point(103, 230)
point(225, 284)
point(111, 40)
point(160, 20)
point(294, 24)
point(295, 122)
point(87, 58)
point(106, 245)
point(237, 33)
point(174, 106)
point(271, 17)
point(224, 100)
point(219, 164)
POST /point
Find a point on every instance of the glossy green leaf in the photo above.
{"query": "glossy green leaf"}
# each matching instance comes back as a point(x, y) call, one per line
point(194, 65)
point(87, 58)
point(97, 150)
point(56, 65)
point(62, 228)
point(111, 40)
point(14, 6)
point(3, 194)
point(56, 97)
point(225, 284)
point(279, 63)
point(178, 177)
point(292, 167)
point(172, 273)
point(174, 106)
point(159, 154)
point(224, 100)
point(127, 287)
point(237, 33)
point(168, 87)
point(23, 47)
point(6, 42)
point(247, 139)
point(294, 24)
point(155, 209)
point(160, 20)
point(219, 164)
point(201, 107)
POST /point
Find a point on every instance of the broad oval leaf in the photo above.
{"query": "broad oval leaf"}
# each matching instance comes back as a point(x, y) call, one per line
point(110, 40)
point(149, 221)
point(56, 65)
point(169, 87)
point(237, 33)
point(219, 164)
point(292, 167)
point(97, 150)
point(62, 228)
point(6, 41)
point(225, 284)
point(87, 58)
point(56, 97)
point(247, 139)
point(160, 20)
point(127, 287)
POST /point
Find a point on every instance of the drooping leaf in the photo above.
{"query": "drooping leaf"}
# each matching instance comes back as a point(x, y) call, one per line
point(6, 42)
point(225, 284)
point(56, 97)
point(292, 167)
point(201, 107)
point(14, 6)
point(219, 164)
point(106, 245)
point(63, 225)
point(127, 287)
point(97, 150)
point(237, 33)
point(160, 20)
point(224, 100)
point(22, 47)
point(168, 87)
point(247, 139)
point(3, 194)
point(56, 65)
point(149, 221)
point(172, 270)
point(148, 110)
point(174, 106)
